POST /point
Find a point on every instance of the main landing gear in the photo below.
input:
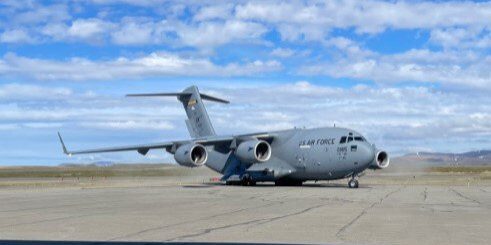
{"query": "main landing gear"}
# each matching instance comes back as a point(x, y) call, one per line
point(247, 180)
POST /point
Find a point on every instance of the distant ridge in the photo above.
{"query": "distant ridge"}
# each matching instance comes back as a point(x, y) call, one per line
point(471, 158)
point(96, 164)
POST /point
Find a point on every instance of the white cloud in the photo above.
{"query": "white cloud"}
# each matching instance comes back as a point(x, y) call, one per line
point(282, 52)
point(462, 38)
point(448, 68)
point(368, 16)
point(218, 11)
point(145, 3)
point(130, 124)
point(56, 31)
point(42, 125)
point(208, 24)
point(15, 36)
point(211, 34)
point(152, 65)
point(88, 29)
point(134, 33)
point(8, 126)
point(21, 92)
point(35, 13)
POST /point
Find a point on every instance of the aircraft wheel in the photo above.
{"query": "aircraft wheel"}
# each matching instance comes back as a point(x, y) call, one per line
point(353, 183)
point(247, 180)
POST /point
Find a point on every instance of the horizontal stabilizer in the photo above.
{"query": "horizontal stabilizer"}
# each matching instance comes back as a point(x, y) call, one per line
point(203, 96)
point(215, 99)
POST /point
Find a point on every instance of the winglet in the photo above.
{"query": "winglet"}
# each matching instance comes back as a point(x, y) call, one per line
point(65, 151)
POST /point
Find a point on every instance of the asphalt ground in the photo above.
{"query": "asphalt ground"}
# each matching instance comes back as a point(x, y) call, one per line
point(400, 209)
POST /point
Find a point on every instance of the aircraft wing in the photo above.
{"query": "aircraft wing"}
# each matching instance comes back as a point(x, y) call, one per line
point(144, 148)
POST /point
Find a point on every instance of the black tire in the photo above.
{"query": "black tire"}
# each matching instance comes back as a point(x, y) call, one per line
point(353, 183)
point(247, 180)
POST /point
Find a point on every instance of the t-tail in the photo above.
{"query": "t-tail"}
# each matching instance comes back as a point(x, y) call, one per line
point(198, 122)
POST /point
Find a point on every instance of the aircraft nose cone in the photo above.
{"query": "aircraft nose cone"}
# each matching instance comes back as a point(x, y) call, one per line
point(367, 153)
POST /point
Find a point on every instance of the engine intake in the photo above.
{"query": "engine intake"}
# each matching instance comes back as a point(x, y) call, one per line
point(253, 151)
point(381, 160)
point(191, 155)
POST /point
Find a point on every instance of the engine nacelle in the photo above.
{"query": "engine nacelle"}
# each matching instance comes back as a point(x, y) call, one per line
point(253, 151)
point(380, 161)
point(191, 155)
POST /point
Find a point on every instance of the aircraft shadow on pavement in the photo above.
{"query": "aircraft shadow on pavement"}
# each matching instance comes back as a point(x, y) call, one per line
point(269, 185)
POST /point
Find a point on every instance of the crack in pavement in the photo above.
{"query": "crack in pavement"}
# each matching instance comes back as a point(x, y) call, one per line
point(364, 211)
point(465, 197)
point(290, 215)
point(425, 194)
point(261, 197)
point(192, 221)
point(258, 221)
point(54, 219)
point(337, 199)
point(56, 206)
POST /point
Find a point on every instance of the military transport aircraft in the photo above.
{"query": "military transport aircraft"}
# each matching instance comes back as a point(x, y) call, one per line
point(287, 157)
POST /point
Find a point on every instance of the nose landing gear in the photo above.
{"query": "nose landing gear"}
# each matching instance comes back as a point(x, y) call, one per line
point(353, 183)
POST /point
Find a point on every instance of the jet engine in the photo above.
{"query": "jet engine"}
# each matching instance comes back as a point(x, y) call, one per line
point(253, 151)
point(381, 160)
point(191, 155)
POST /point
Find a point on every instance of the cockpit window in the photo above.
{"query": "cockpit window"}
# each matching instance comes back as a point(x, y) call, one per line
point(343, 140)
point(351, 137)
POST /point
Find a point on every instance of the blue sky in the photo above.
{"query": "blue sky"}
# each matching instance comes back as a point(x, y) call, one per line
point(410, 75)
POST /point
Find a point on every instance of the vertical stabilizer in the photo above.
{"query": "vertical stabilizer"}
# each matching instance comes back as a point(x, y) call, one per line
point(191, 131)
point(198, 122)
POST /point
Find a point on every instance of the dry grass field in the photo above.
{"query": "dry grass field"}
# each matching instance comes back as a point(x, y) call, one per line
point(72, 175)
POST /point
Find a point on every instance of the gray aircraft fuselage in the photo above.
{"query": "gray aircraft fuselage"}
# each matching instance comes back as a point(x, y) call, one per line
point(285, 157)
point(314, 154)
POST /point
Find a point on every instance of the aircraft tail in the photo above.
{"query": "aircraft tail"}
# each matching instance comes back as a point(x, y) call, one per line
point(198, 122)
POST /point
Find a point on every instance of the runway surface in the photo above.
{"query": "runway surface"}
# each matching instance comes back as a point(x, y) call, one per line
point(402, 213)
